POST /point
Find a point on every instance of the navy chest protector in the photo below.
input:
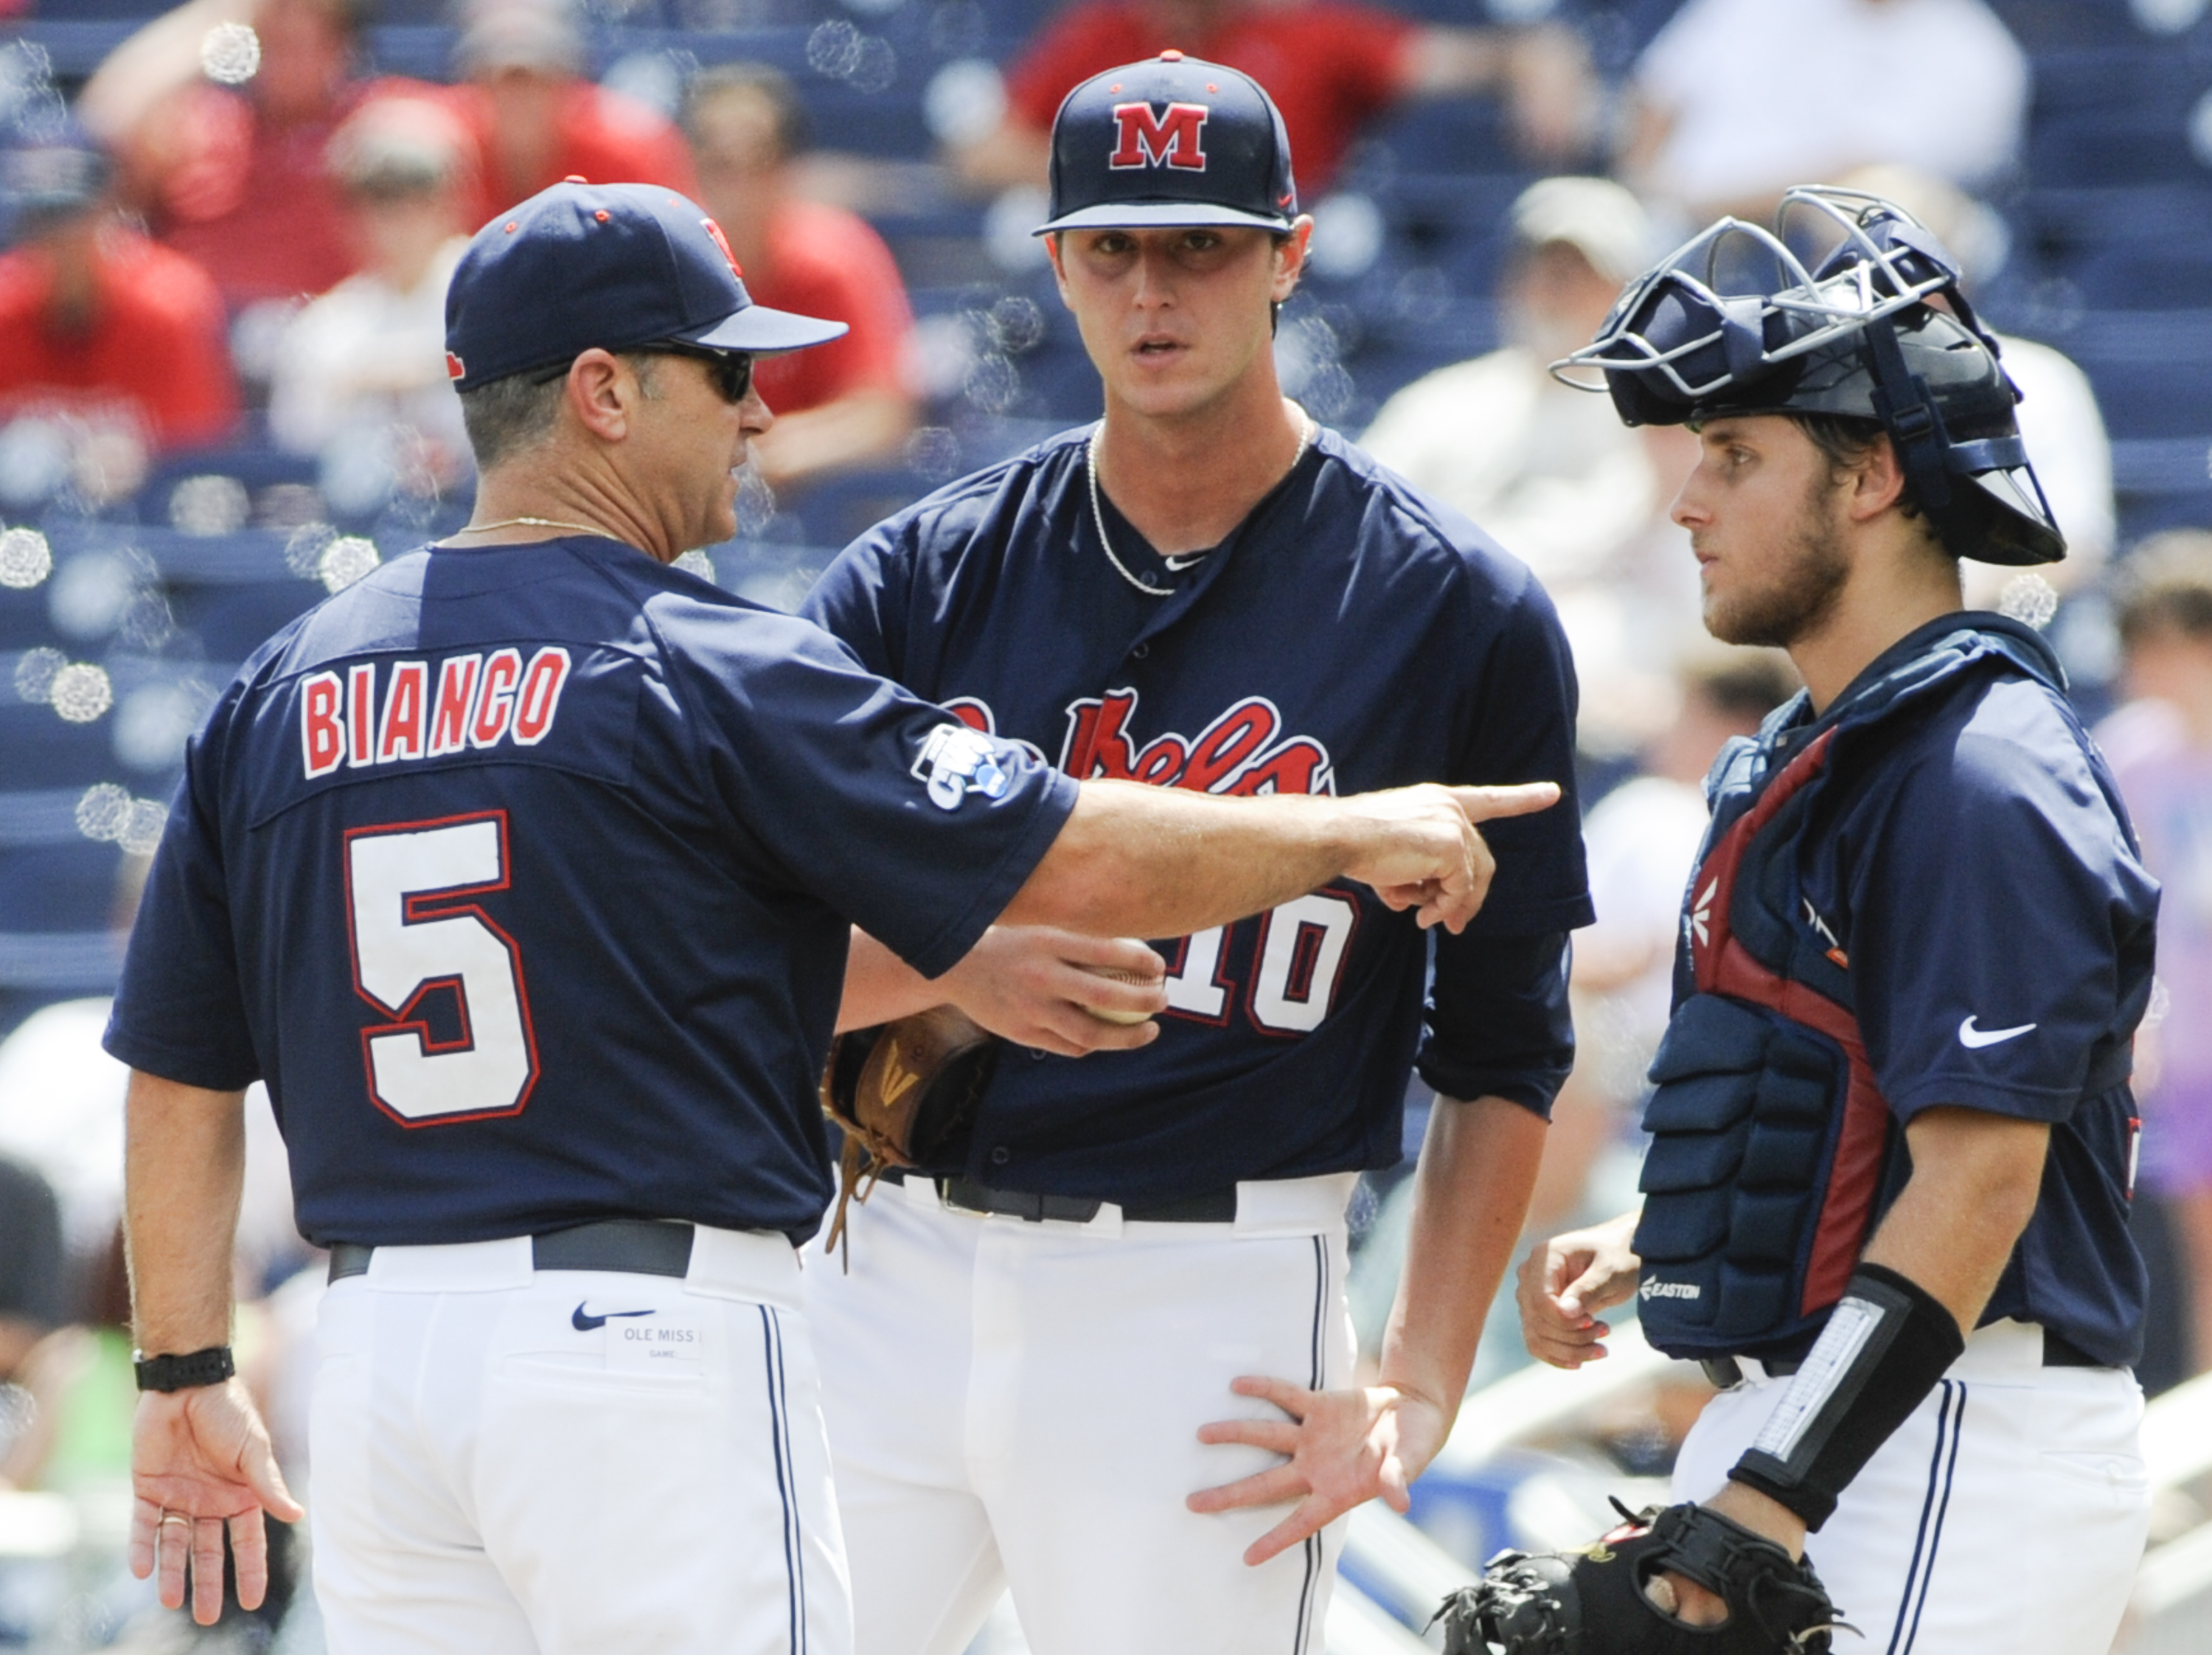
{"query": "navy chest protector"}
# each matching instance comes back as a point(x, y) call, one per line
point(1773, 1151)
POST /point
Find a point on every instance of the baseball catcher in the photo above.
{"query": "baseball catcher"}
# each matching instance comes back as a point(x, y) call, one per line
point(1892, 1138)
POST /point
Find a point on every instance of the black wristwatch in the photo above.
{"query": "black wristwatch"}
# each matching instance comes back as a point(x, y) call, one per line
point(210, 1366)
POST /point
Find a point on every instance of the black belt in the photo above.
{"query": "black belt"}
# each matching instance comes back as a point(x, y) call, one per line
point(635, 1246)
point(1726, 1372)
point(966, 1196)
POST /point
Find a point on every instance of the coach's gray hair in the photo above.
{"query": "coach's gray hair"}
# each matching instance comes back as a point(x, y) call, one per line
point(508, 416)
point(511, 416)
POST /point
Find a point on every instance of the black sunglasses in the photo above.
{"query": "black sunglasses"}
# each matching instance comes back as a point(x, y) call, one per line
point(731, 370)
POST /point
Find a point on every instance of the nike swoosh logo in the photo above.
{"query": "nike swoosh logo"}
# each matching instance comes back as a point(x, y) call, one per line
point(1974, 1039)
point(1188, 560)
point(584, 1323)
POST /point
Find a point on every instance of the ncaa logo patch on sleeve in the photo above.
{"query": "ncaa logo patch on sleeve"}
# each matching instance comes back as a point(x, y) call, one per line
point(956, 761)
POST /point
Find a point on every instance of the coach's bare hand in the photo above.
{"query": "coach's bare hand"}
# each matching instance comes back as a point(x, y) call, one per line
point(1342, 1448)
point(1030, 984)
point(1565, 1280)
point(1426, 854)
point(200, 1458)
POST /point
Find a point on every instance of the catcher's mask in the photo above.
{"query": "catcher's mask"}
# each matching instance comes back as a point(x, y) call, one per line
point(1868, 323)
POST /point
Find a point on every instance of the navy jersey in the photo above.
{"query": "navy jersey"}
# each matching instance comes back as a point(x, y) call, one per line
point(1349, 634)
point(522, 875)
point(1980, 877)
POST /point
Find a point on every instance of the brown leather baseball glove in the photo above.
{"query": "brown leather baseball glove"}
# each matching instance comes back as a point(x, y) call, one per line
point(905, 1093)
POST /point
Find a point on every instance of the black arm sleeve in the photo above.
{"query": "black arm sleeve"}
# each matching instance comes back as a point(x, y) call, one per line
point(1498, 1025)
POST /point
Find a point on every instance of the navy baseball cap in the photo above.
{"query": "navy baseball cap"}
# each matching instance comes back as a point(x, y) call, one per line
point(1168, 143)
point(615, 265)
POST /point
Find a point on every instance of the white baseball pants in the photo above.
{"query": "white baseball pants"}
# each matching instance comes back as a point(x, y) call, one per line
point(1016, 1405)
point(2007, 1514)
point(573, 1462)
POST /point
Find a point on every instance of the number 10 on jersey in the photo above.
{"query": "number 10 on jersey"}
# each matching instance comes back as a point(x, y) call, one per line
point(1298, 966)
point(412, 933)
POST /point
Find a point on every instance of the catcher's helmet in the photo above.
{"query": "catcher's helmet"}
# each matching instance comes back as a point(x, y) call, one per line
point(1737, 322)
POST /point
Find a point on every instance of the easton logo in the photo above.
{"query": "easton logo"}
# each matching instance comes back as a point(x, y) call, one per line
point(428, 709)
point(1174, 139)
point(1654, 1288)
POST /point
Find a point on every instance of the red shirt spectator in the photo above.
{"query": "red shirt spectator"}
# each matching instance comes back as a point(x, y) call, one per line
point(596, 134)
point(1329, 65)
point(236, 180)
point(93, 315)
point(824, 261)
point(841, 405)
point(253, 204)
point(537, 120)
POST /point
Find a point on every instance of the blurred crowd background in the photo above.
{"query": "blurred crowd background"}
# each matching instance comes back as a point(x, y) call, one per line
point(228, 230)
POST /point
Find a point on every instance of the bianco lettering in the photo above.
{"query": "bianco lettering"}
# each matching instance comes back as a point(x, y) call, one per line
point(402, 735)
point(415, 709)
point(495, 703)
point(449, 718)
point(360, 715)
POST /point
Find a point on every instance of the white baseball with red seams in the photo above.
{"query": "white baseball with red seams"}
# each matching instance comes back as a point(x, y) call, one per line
point(1110, 1014)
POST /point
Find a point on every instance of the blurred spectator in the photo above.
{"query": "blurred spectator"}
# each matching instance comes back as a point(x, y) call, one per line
point(2160, 751)
point(84, 1389)
point(537, 120)
point(96, 322)
point(2057, 413)
point(1549, 471)
point(845, 403)
point(1329, 64)
point(1642, 840)
point(61, 1111)
point(235, 178)
point(1642, 837)
point(33, 1298)
point(1737, 100)
point(370, 353)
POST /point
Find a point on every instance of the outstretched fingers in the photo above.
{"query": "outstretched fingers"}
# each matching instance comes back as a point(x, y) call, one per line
point(1294, 1400)
point(1310, 1517)
point(257, 1465)
point(1269, 1487)
point(1488, 804)
point(249, 1552)
point(145, 1536)
point(207, 1570)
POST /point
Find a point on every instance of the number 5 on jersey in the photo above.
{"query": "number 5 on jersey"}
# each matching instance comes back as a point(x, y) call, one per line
point(412, 934)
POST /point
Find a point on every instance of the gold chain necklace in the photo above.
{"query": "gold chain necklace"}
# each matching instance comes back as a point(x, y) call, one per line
point(535, 523)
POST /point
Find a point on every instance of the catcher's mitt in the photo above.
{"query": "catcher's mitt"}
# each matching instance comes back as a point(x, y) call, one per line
point(904, 1093)
point(1591, 1601)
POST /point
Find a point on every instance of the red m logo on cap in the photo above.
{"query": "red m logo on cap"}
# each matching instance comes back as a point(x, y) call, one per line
point(1175, 139)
